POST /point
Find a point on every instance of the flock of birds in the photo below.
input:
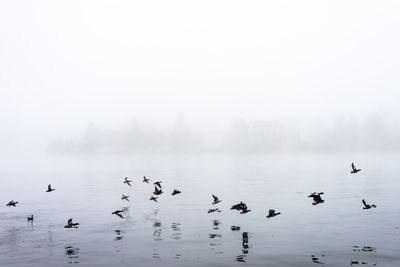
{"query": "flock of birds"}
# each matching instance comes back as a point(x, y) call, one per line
point(242, 207)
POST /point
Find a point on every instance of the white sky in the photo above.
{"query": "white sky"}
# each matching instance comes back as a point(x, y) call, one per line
point(65, 64)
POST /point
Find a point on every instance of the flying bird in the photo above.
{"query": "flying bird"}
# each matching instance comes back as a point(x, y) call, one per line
point(317, 198)
point(244, 209)
point(153, 198)
point(158, 184)
point(145, 180)
point(213, 210)
point(354, 169)
point(128, 182)
point(367, 206)
point(216, 200)
point(12, 203)
point(272, 213)
point(157, 191)
point(125, 197)
point(71, 224)
point(175, 192)
point(118, 213)
point(49, 189)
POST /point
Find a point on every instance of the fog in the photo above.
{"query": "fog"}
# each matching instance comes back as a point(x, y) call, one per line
point(211, 76)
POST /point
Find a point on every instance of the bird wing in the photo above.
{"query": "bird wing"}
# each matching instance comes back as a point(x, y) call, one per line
point(364, 202)
point(49, 187)
point(353, 167)
point(215, 198)
point(119, 215)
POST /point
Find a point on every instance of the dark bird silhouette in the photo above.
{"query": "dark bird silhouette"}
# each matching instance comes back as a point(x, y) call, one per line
point(157, 191)
point(49, 189)
point(153, 198)
point(128, 182)
point(317, 198)
point(244, 209)
point(71, 224)
point(213, 210)
point(237, 206)
point(12, 203)
point(145, 180)
point(216, 200)
point(272, 213)
point(175, 192)
point(354, 169)
point(158, 184)
point(367, 206)
point(125, 197)
point(118, 213)
point(30, 218)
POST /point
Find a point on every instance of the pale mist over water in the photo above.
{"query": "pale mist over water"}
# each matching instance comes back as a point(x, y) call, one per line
point(263, 102)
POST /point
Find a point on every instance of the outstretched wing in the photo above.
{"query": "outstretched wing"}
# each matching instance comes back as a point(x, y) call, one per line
point(49, 187)
point(353, 167)
point(215, 198)
point(365, 203)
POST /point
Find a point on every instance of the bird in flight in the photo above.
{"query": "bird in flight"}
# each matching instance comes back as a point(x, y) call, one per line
point(153, 198)
point(49, 189)
point(118, 213)
point(354, 169)
point(128, 182)
point(145, 180)
point(367, 206)
point(272, 213)
point(213, 210)
point(125, 197)
point(175, 192)
point(12, 203)
point(216, 200)
point(71, 224)
point(158, 184)
point(317, 198)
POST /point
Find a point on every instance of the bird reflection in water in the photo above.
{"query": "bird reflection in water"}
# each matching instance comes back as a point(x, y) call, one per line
point(176, 231)
point(157, 231)
point(216, 237)
point(119, 236)
point(245, 248)
point(72, 254)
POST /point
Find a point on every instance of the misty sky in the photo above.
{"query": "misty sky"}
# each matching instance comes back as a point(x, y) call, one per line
point(66, 64)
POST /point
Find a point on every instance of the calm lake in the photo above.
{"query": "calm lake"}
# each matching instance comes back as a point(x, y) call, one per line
point(178, 231)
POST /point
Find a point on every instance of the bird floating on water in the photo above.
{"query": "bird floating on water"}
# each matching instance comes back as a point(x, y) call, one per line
point(216, 200)
point(125, 197)
point(12, 203)
point(354, 169)
point(128, 182)
point(367, 206)
point(49, 189)
point(153, 198)
point(214, 210)
point(30, 218)
point(175, 192)
point(317, 198)
point(145, 180)
point(71, 224)
point(118, 213)
point(272, 213)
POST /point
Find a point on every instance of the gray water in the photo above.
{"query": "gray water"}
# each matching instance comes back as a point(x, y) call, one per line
point(178, 231)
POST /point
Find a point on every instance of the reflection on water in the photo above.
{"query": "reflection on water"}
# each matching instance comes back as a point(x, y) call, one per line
point(176, 231)
point(119, 235)
point(157, 231)
point(315, 259)
point(245, 247)
point(72, 253)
